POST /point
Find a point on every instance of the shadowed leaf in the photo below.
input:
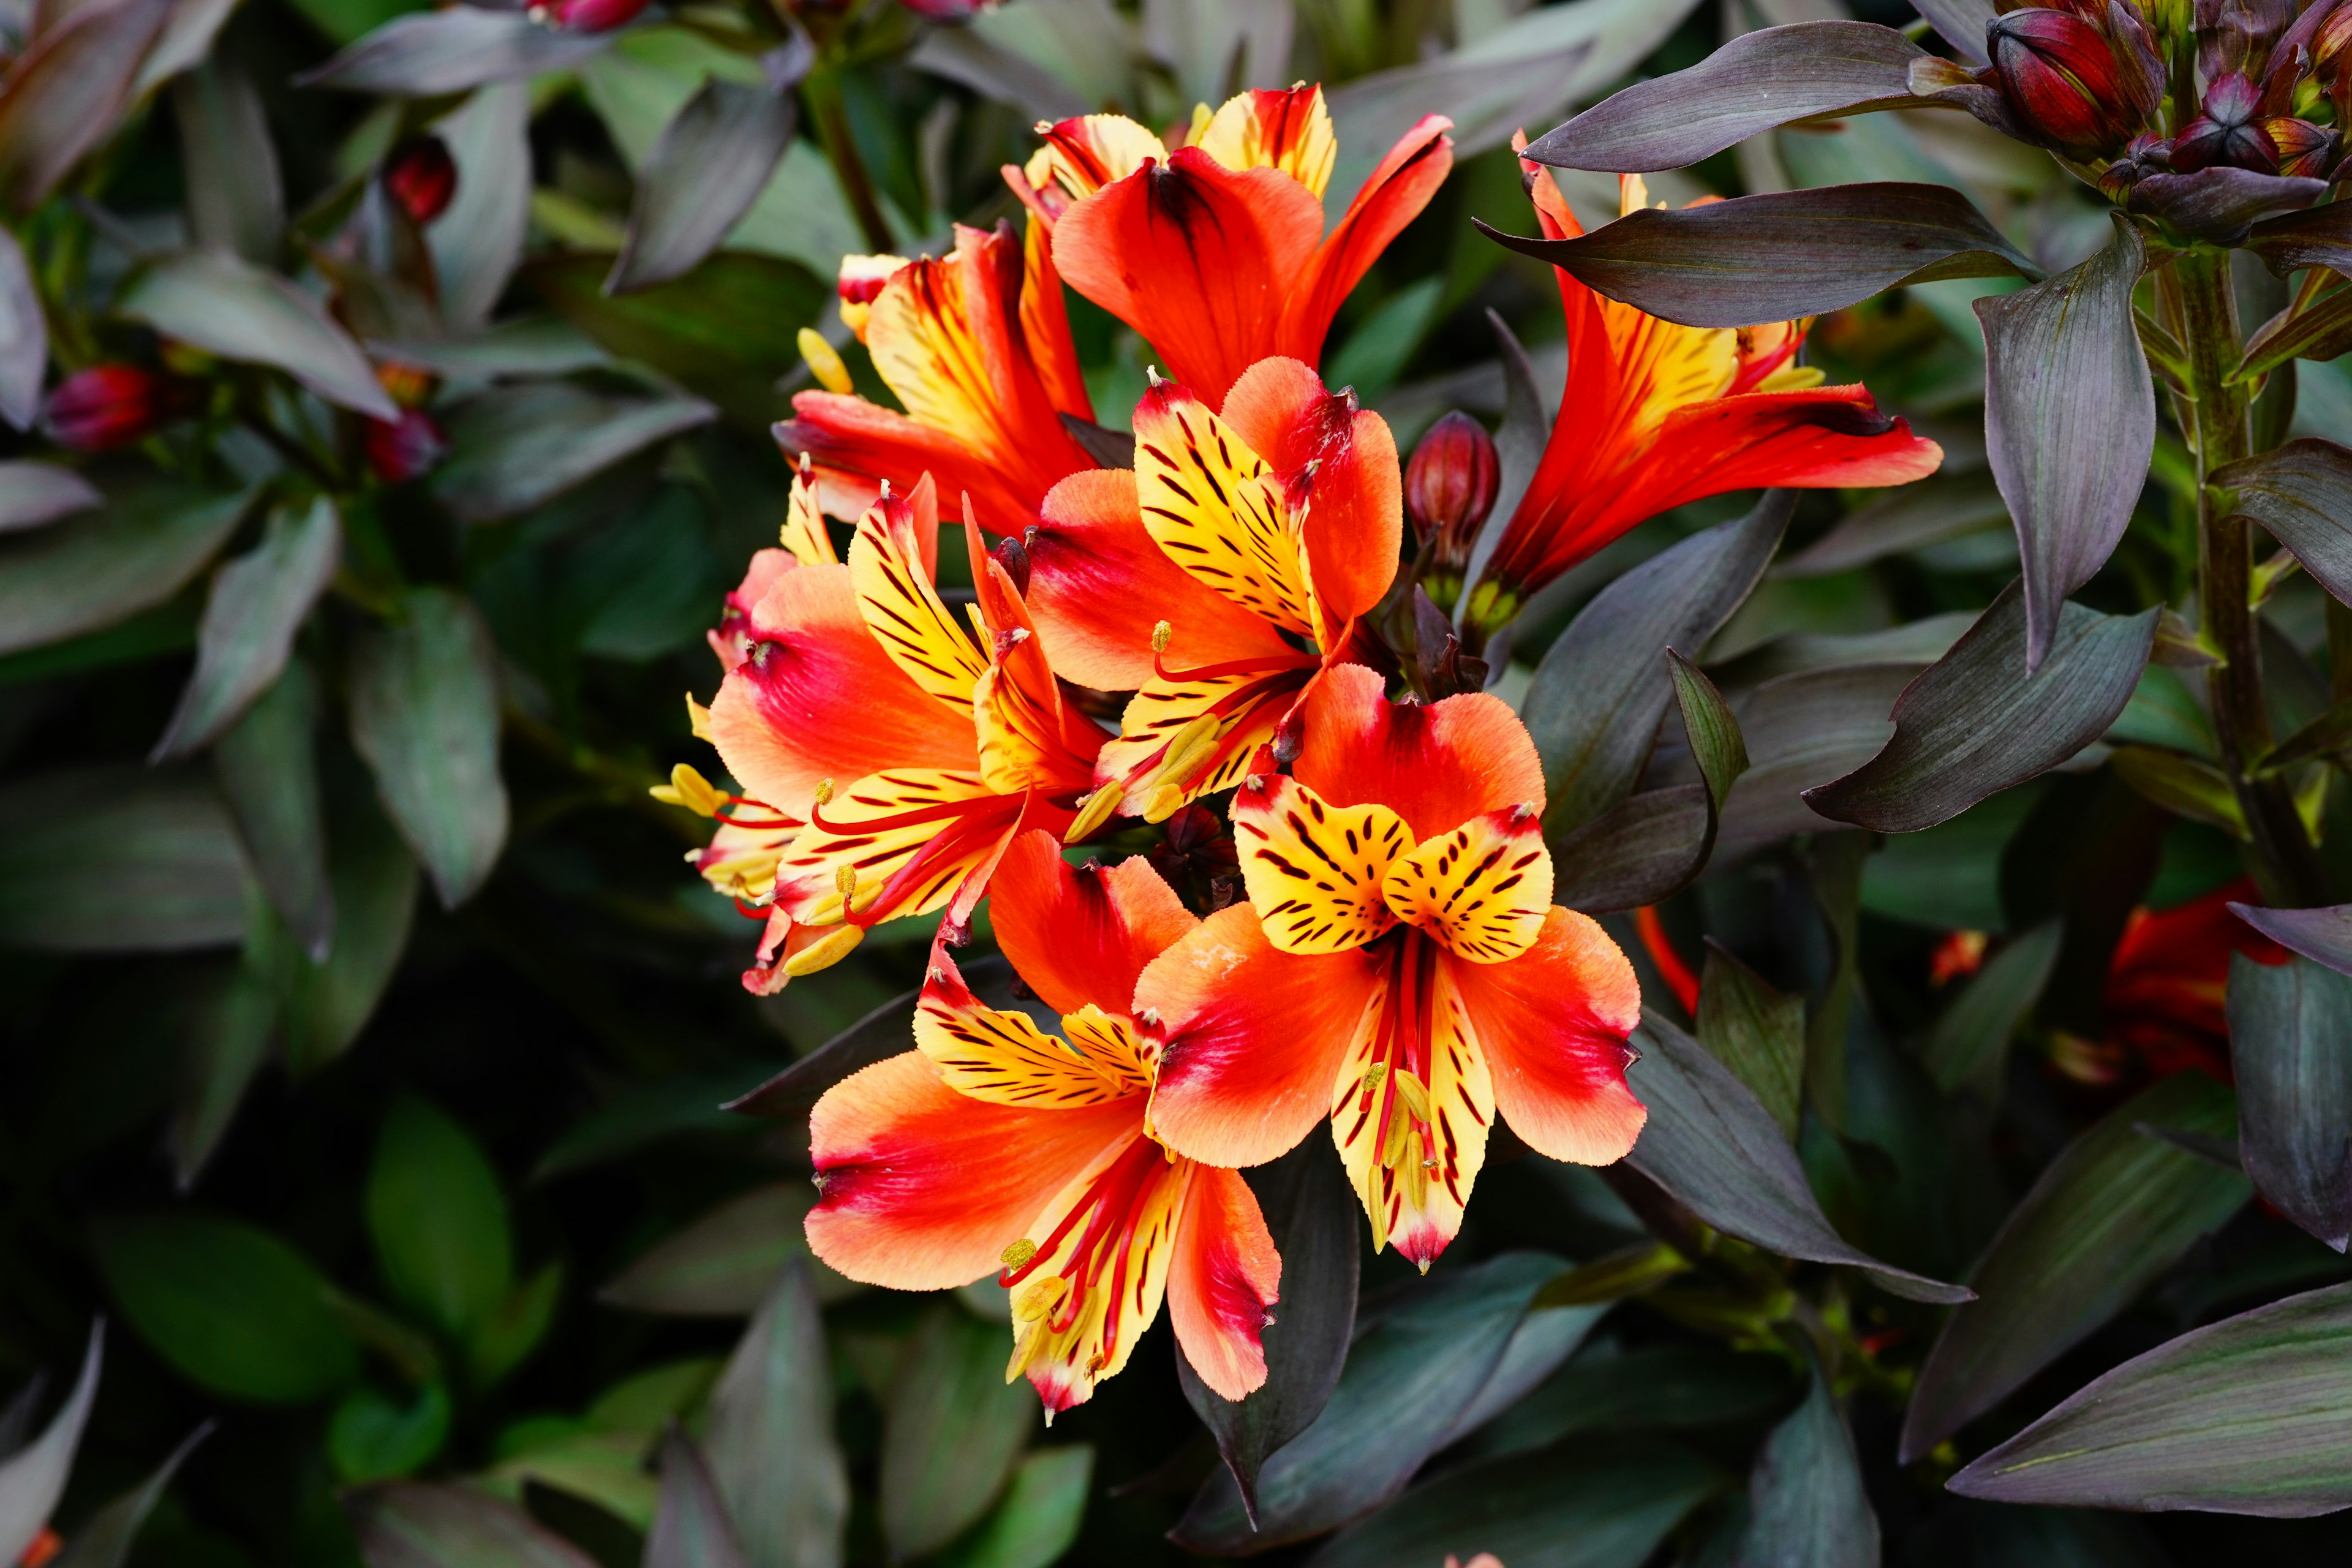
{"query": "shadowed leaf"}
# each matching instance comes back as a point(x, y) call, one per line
point(24, 356)
point(691, 1529)
point(881, 1034)
point(257, 603)
point(63, 96)
point(34, 1478)
point(93, 571)
point(1806, 1494)
point(511, 447)
point(2302, 492)
point(952, 1431)
point(230, 308)
point(711, 164)
point(1968, 1048)
point(724, 1264)
point(267, 768)
point(106, 1537)
point(770, 1434)
point(411, 1524)
point(430, 53)
point(231, 1307)
point(2288, 1027)
point(119, 860)
point(1037, 1518)
point(2323, 936)
point(1756, 1032)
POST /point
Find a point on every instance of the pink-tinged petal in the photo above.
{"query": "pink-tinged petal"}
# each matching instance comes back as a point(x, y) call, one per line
point(1098, 583)
point(1251, 1037)
point(1077, 934)
point(855, 444)
point(731, 640)
point(1223, 1281)
point(923, 1188)
point(1354, 501)
point(1436, 765)
point(1551, 1024)
point(817, 698)
point(1391, 196)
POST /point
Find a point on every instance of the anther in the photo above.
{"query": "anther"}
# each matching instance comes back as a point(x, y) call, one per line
point(1093, 813)
point(1159, 636)
point(824, 363)
point(825, 792)
point(1019, 1253)
point(825, 951)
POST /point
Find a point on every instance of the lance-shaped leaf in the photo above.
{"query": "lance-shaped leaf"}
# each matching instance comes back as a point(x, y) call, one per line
point(770, 1434)
point(1756, 81)
point(34, 493)
point(1940, 507)
point(2323, 936)
point(2302, 492)
point(425, 714)
point(723, 1264)
point(2289, 1024)
point(691, 1529)
point(24, 348)
point(2251, 1414)
point(1772, 258)
point(2070, 420)
point(237, 202)
point(476, 243)
point(1968, 1048)
point(119, 860)
point(2315, 236)
point(1305, 1200)
point(229, 1306)
point(63, 96)
point(2323, 331)
point(1756, 1032)
point(268, 771)
point(233, 309)
point(1520, 443)
point(1809, 1509)
point(2109, 1216)
point(373, 881)
point(1806, 729)
point(2183, 785)
point(1036, 1520)
point(712, 160)
point(256, 604)
point(429, 53)
point(1715, 1149)
point(228, 1040)
point(1961, 23)
point(106, 1537)
point(954, 1430)
point(33, 1479)
point(411, 1524)
point(95, 571)
point(511, 447)
point(1594, 706)
point(881, 1034)
point(1975, 723)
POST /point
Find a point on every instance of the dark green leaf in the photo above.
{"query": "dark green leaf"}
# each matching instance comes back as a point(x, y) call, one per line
point(2323, 936)
point(1715, 1149)
point(24, 356)
point(96, 571)
point(2302, 492)
point(34, 1478)
point(268, 777)
point(2070, 421)
point(1628, 1271)
point(1935, 508)
point(2185, 786)
point(257, 603)
point(235, 201)
point(64, 95)
point(1754, 82)
point(228, 1040)
point(106, 1537)
point(1310, 1212)
point(881, 1034)
point(2163, 711)
point(723, 1265)
point(1804, 729)
point(119, 860)
point(1520, 441)
point(230, 308)
point(637, 1115)
point(1660, 1389)
point(1037, 1518)
point(692, 1530)
point(1948, 877)
point(2329, 735)
point(374, 1437)
point(2109, 1216)
point(516, 1329)
point(2289, 1024)
point(770, 1434)
point(512, 448)
point(1786, 254)
point(2249, 1415)
point(1806, 1494)
point(425, 714)
point(411, 1524)
point(1639, 850)
point(713, 159)
point(1968, 1048)
point(1976, 723)
point(439, 1220)
point(231, 1307)
point(1756, 1032)
point(374, 884)
point(428, 54)
point(952, 1433)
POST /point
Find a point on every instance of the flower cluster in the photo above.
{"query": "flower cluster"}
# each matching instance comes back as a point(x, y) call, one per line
point(1375, 945)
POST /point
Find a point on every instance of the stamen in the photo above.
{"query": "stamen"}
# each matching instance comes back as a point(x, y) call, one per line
point(689, 789)
point(825, 951)
point(824, 363)
point(1161, 633)
point(825, 792)
point(1041, 1297)
point(1093, 813)
point(697, 718)
point(1019, 1253)
point(1164, 802)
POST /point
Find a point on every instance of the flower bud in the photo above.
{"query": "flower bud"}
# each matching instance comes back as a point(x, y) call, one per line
point(943, 10)
point(2303, 148)
point(1449, 487)
point(111, 405)
point(588, 15)
point(404, 448)
point(2227, 132)
point(2059, 73)
point(422, 177)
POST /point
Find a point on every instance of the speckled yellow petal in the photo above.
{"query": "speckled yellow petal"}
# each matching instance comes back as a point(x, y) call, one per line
point(1217, 510)
point(1314, 870)
point(1483, 889)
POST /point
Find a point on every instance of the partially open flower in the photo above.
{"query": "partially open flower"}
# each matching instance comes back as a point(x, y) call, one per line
point(2303, 148)
point(111, 405)
point(1449, 487)
point(422, 177)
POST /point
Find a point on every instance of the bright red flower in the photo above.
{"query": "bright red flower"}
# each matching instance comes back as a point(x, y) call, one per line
point(422, 177)
point(996, 1144)
point(111, 405)
point(2165, 996)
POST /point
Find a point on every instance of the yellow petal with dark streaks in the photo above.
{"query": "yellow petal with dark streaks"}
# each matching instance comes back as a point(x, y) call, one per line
point(1314, 870)
point(1482, 890)
point(1004, 1057)
point(904, 612)
point(1212, 505)
point(1110, 1045)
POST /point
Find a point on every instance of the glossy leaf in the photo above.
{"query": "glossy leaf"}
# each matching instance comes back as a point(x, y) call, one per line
point(439, 1220)
point(32, 494)
point(93, 571)
point(228, 1040)
point(1310, 1212)
point(1756, 1032)
point(723, 1264)
point(2288, 1025)
point(425, 714)
point(1715, 1149)
point(1786, 254)
point(713, 159)
point(2316, 236)
point(1976, 723)
point(2323, 936)
point(269, 778)
point(257, 603)
point(2069, 422)
point(2104, 1220)
point(2251, 1414)
point(692, 1528)
point(1754, 82)
point(1968, 1048)
point(880, 1035)
point(429, 53)
point(511, 447)
point(106, 1537)
point(230, 308)
point(2302, 492)
point(1549, 1333)
point(413, 1524)
point(1036, 1520)
point(1804, 729)
point(24, 356)
point(373, 881)
point(770, 1434)
point(952, 1431)
point(1913, 517)
point(237, 202)
point(230, 1306)
point(64, 95)
point(34, 1478)
point(476, 243)
point(119, 860)
point(1809, 1509)
point(2219, 202)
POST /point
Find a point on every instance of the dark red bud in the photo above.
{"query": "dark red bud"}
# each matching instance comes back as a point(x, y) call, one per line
point(2227, 133)
point(943, 10)
point(422, 177)
point(1015, 562)
point(111, 405)
point(2060, 74)
point(1449, 486)
point(589, 16)
point(404, 448)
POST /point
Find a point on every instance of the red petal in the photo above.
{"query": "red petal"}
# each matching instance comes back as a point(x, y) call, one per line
point(1390, 197)
point(1355, 521)
point(1222, 1282)
point(1438, 765)
point(1081, 934)
point(1552, 1025)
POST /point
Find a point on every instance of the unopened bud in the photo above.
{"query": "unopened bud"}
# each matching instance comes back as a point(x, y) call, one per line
point(588, 15)
point(861, 282)
point(1450, 485)
point(422, 177)
point(2061, 75)
point(111, 405)
point(1010, 555)
point(2303, 148)
point(405, 448)
point(2229, 132)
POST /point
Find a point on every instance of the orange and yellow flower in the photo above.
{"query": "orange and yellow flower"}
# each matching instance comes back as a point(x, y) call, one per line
point(1655, 415)
point(1399, 968)
point(1215, 252)
point(995, 1144)
point(1220, 577)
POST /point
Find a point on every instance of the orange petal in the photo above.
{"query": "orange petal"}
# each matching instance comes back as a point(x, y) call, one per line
point(804, 531)
point(1217, 510)
point(892, 560)
point(1223, 1281)
point(1347, 493)
point(1046, 325)
point(1084, 155)
point(1080, 934)
point(1314, 871)
point(1552, 1026)
point(1029, 738)
point(923, 1188)
point(1197, 258)
point(1390, 197)
point(1436, 765)
point(732, 638)
point(1243, 707)
point(1288, 129)
point(1005, 1058)
point(880, 826)
point(817, 698)
point(1483, 890)
point(1250, 1037)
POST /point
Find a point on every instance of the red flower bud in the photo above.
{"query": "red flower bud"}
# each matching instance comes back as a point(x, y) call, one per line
point(944, 10)
point(589, 16)
point(2061, 75)
point(2228, 131)
point(422, 177)
point(1449, 486)
point(404, 448)
point(111, 405)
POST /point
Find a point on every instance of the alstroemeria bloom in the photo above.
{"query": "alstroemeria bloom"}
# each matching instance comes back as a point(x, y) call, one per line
point(1399, 968)
point(1656, 414)
point(976, 346)
point(1220, 576)
point(1216, 252)
point(864, 710)
point(997, 1143)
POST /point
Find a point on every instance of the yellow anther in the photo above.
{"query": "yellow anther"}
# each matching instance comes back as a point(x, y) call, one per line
point(1041, 1297)
point(1165, 801)
point(697, 718)
point(824, 363)
point(825, 951)
point(1201, 115)
point(1372, 1076)
point(1019, 1253)
point(845, 882)
point(1159, 636)
point(1413, 1093)
point(1095, 810)
point(825, 792)
point(1393, 1136)
point(691, 790)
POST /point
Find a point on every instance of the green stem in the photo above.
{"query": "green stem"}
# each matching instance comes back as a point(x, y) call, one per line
point(822, 92)
point(2284, 867)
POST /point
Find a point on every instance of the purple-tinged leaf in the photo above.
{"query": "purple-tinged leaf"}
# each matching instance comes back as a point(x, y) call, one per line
point(1975, 723)
point(2323, 936)
point(1809, 1508)
point(476, 243)
point(129, 859)
point(34, 493)
point(2324, 331)
point(1804, 729)
point(91, 572)
point(62, 97)
point(1962, 24)
point(257, 603)
point(33, 1479)
point(691, 1529)
point(2288, 1026)
point(880, 1035)
point(712, 160)
point(1753, 83)
point(268, 769)
point(1772, 258)
point(2104, 1220)
point(428, 53)
point(768, 1434)
point(412, 1524)
point(2218, 204)
point(2315, 236)
point(2251, 1414)
point(233, 309)
point(235, 200)
point(513, 446)
point(2069, 422)
point(2302, 492)
point(1940, 507)
point(23, 342)
point(104, 1539)
point(953, 1429)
